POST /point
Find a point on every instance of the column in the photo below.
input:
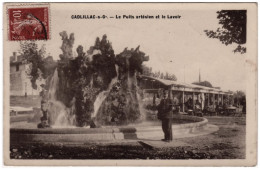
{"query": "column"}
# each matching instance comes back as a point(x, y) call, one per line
point(208, 98)
point(213, 99)
point(183, 100)
point(218, 98)
point(193, 103)
point(222, 99)
point(201, 104)
point(170, 92)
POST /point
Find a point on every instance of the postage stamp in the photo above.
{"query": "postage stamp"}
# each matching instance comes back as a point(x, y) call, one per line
point(28, 23)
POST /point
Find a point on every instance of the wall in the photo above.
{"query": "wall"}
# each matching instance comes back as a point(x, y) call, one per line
point(19, 81)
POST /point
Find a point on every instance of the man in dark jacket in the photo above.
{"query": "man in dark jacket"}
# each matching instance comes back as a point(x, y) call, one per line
point(165, 114)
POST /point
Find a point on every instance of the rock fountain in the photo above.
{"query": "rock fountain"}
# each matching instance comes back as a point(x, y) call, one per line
point(88, 88)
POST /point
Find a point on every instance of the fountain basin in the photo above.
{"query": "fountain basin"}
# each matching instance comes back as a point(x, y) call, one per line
point(148, 130)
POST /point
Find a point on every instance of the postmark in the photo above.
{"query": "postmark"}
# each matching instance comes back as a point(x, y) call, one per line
point(28, 23)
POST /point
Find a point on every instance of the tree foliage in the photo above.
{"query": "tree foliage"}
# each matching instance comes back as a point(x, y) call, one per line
point(147, 71)
point(203, 83)
point(239, 98)
point(170, 76)
point(233, 28)
point(40, 65)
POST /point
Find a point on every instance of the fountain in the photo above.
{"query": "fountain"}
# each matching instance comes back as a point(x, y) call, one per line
point(94, 89)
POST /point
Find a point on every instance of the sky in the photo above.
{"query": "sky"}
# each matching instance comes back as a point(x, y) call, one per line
point(181, 41)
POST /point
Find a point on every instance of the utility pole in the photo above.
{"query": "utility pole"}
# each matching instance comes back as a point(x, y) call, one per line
point(184, 74)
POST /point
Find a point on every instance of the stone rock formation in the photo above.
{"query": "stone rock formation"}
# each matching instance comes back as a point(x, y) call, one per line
point(85, 76)
point(122, 103)
point(89, 88)
point(67, 45)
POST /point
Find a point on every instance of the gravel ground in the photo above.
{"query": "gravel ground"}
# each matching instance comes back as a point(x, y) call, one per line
point(227, 143)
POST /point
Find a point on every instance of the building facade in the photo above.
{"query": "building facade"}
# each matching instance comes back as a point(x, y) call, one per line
point(20, 83)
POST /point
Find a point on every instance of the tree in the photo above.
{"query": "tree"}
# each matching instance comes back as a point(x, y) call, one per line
point(148, 71)
point(233, 29)
point(39, 65)
point(239, 98)
point(161, 76)
point(203, 83)
point(172, 77)
point(169, 76)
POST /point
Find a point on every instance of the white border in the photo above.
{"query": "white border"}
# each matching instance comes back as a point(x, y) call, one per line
point(1, 86)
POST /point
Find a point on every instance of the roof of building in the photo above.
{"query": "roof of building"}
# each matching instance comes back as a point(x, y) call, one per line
point(184, 85)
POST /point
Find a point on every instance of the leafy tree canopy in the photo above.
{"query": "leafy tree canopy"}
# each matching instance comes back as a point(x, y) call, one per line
point(148, 71)
point(40, 66)
point(203, 83)
point(233, 28)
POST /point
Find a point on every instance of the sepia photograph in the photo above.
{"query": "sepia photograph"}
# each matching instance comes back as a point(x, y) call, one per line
point(169, 84)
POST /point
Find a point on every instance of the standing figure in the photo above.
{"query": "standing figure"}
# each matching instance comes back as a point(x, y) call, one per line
point(165, 115)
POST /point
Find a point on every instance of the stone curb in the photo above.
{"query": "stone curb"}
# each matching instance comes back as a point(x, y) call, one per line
point(103, 134)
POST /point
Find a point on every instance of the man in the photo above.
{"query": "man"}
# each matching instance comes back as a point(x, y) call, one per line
point(165, 115)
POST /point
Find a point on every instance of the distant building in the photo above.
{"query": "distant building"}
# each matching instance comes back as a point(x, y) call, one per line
point(20, 83)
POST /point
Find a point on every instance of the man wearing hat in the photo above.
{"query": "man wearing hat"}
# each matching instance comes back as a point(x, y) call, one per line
point(165, 115)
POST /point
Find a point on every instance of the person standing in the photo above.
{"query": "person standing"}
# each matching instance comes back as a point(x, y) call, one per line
point(165, 115)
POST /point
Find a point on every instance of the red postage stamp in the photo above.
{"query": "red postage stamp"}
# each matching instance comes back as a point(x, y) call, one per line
point(28, 23)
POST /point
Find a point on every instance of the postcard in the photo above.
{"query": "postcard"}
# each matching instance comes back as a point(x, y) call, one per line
point(130, 84)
